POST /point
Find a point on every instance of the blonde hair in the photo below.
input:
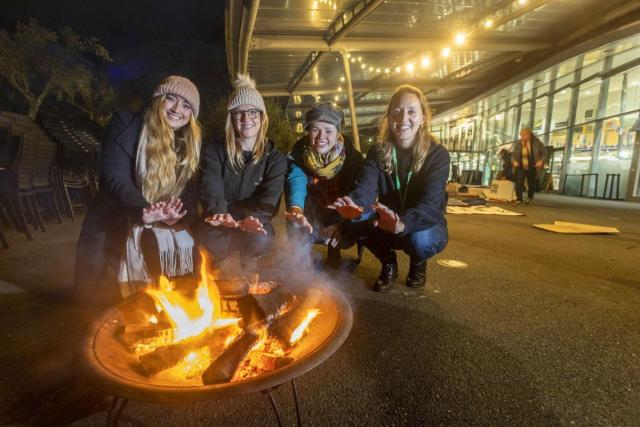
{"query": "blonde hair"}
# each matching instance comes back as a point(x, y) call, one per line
point(386, 139)
point(172, 156)
point(234, 149)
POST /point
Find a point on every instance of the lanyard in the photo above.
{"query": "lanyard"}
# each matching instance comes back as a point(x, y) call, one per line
point(403, 194)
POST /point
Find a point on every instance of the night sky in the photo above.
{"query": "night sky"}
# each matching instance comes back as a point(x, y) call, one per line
point(147, 39)
point(123, 24)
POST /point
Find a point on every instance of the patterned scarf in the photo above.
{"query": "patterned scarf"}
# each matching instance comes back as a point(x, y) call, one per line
point(324, 166)
point(525, 155)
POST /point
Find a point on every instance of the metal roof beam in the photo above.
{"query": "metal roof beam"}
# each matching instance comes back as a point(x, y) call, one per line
point(240, 18)
point(348, 20)
point(283, 43)
point(369, 85)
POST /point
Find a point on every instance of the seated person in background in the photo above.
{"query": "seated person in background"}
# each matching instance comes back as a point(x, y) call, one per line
point(241, 181)
point(322, 166)
point(402, 190)
point(137, 226)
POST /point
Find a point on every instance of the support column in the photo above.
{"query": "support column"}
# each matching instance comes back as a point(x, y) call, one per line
point(352, 104)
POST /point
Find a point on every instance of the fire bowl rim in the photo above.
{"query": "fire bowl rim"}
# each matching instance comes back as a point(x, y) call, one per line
point(112, 384)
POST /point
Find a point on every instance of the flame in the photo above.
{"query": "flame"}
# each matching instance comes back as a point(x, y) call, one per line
point(299, 331)
point(190, 317)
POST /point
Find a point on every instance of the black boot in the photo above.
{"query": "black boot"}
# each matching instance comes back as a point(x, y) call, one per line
point(417, 276)
point(388, 273)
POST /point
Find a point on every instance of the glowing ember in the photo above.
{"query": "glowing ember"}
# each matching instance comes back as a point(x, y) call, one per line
point(299, 331)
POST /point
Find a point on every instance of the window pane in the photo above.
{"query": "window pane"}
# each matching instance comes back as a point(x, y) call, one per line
point(625, 56)
point(588, 101)
point(540, 115)
point(616, 149)
point(593, 63)
point(583, 139)
point(527, 90)
point(525, 115)
point(558, 138)
point(614, 97)
point(565, 73)
point(560, 112)
point(631, 97)
point(510, 124)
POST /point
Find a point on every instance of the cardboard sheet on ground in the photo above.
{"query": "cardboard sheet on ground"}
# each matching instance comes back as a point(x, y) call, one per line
point(576, 228)
point(480, 210)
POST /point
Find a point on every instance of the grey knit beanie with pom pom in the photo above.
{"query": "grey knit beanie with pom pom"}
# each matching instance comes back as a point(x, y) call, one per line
point(245, 93)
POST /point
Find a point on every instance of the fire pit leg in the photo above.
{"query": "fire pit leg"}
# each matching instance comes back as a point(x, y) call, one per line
point(274, 405)
point(276, 408)
point(295, 399)
point(117, 406)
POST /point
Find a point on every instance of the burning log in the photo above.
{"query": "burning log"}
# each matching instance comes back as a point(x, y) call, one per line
point(169, 355)
point(223, 368)
point(157, 334)
point(265, 307)
point(290, 328)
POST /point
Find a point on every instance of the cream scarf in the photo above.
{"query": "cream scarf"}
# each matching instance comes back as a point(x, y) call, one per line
point(175, 242)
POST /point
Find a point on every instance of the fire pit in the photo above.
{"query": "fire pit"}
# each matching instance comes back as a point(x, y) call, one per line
point(220, 339)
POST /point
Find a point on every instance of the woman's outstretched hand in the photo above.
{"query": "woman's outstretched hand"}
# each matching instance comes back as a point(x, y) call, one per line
point(153, 213)
point(296, 216)
point(346, 208)
point(173, 211)
point(387, 220)
point(251, 225)
point(221, 220)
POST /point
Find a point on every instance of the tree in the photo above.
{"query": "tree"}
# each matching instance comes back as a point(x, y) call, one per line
point(38, 62)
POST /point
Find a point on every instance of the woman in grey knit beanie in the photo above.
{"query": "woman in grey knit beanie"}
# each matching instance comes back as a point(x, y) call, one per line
point(242, 178)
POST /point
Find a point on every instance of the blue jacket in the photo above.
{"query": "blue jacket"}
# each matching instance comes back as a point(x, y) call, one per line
point(299, 177)
point(426, 198)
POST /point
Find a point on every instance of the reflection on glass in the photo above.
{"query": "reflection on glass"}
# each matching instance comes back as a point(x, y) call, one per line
point(560, 109)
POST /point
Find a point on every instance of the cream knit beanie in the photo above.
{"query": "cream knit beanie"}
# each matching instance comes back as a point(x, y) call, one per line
point(245, 92)
point(183, 87)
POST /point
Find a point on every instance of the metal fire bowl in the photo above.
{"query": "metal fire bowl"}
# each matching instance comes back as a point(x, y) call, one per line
point(110, 367)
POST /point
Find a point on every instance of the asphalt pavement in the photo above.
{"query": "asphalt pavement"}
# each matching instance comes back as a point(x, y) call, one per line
point(539, 329)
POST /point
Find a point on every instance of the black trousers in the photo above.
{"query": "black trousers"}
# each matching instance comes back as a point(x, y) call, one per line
point(530, 176)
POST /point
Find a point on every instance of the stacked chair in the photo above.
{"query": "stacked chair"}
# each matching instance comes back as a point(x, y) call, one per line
point(36, 170)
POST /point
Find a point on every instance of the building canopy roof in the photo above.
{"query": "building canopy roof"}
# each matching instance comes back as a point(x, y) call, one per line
point(451, 49)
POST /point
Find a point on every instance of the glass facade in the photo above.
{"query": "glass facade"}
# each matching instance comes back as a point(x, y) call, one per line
point(583, 109)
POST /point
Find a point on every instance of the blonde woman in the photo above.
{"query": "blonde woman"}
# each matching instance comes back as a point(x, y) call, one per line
point(242, 179)
point(137, 227)
point(399, 196)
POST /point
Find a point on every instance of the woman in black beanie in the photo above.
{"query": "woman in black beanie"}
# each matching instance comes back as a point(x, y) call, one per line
point(322, 166)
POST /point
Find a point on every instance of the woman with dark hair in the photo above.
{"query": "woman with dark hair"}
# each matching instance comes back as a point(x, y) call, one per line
point(242, 179)
point(322, 166)
point(136, 227)
point(400, 193)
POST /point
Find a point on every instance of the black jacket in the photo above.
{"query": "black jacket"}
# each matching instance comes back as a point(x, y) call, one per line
point(426, 198)
point(119, 201)
point(254, 190)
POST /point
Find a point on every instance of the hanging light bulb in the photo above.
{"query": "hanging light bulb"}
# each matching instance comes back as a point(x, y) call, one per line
point(460, 38)
point(488, 23)
point(446, 52)
point(425, 62)
point(409, 67)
